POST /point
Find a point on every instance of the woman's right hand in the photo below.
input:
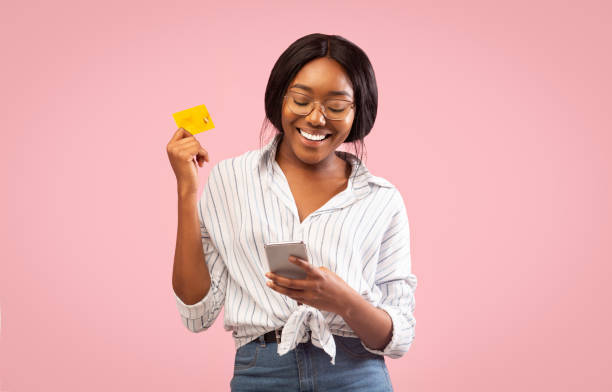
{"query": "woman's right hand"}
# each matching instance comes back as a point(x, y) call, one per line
point(181, 149)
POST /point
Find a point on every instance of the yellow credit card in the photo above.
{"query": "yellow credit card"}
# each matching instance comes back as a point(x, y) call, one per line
point(194, 120)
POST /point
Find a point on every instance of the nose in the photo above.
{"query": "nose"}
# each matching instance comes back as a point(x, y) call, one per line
point(316, 117)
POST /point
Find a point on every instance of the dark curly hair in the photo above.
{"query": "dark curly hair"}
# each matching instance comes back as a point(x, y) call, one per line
point(355, 63)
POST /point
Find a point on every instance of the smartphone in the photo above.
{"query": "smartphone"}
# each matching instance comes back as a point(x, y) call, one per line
point(278, 258)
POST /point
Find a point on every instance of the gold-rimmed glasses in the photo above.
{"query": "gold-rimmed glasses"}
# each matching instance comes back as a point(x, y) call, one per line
point(332, 109)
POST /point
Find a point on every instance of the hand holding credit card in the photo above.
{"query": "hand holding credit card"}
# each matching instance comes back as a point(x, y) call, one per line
point(195, 120)
point(184, 151)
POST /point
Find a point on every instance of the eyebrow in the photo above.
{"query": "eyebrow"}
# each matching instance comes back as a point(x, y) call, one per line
point(333, 92)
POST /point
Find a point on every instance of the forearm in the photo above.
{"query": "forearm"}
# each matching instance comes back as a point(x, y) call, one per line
point(190, 276)
point(373, 325)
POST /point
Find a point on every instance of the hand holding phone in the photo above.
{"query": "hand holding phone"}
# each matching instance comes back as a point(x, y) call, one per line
point(278, 258)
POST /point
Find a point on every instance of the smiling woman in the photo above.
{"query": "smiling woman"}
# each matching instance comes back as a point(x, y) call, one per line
point(358, 293)
point(302, 121)
point(320, 67)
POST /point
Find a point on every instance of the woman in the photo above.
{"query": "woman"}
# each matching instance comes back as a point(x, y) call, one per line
point(332, 329)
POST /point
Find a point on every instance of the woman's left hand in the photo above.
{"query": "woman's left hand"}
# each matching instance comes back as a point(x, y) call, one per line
point(322, 288)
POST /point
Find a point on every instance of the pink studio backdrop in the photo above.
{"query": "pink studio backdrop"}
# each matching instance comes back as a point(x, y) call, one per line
point(494, 123)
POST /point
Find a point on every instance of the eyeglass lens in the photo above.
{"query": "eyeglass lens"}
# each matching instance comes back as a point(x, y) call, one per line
point(333, 109)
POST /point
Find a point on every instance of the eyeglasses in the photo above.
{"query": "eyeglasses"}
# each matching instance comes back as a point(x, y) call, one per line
point(332, 109)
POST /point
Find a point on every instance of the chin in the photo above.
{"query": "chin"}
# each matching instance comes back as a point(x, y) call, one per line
point(311, 158)
point(308, 155)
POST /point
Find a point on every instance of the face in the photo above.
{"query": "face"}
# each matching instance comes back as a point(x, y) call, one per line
point(321, 79)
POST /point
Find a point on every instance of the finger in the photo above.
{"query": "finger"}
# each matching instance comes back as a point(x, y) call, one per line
point(202, 153)
point(178, 146)
point(190, 148)
point(202, 157)
point(295, 294)
point(200, 161)
point(193, 150)
point(185, 141)
point(305, 265)
point(296, 284)
point(180, 134)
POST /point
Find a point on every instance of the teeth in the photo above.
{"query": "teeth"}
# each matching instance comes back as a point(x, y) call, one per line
point(311, 137)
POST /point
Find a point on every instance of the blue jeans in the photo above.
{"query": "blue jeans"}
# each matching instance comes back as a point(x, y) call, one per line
point(258, 367)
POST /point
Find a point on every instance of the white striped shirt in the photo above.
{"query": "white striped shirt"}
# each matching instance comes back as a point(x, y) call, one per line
point(361, 233)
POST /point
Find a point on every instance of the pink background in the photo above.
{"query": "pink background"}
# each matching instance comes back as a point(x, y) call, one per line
point(494, 123)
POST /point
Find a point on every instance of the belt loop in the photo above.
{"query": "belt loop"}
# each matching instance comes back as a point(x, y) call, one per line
point(278, 337)
point(262, 341)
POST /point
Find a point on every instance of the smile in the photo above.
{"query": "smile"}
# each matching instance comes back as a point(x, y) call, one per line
point(313, 137)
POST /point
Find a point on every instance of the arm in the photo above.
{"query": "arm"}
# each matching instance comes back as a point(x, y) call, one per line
point(373, 325)
point(392, 327)
point(190, 277)
point(199, 276)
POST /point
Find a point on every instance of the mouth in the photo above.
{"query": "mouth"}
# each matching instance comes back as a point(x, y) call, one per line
point(312, 138)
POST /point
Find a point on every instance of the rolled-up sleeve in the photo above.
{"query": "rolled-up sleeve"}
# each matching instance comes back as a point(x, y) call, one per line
point(201, 315)
point(396, 282)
